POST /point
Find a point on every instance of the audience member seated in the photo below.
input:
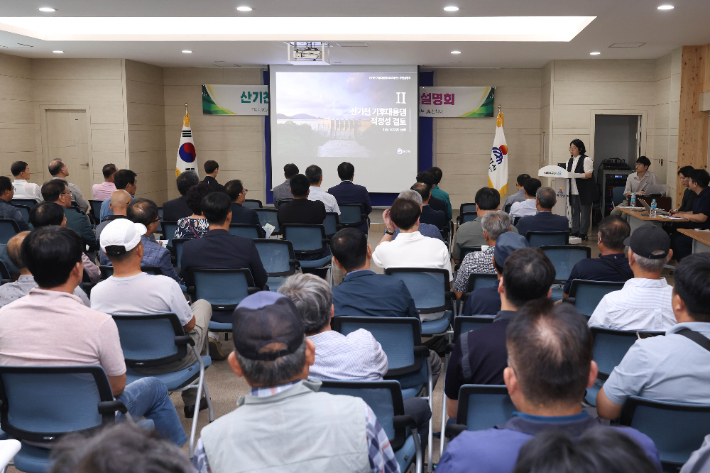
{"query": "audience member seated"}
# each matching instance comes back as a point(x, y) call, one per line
point(194, 226)
point(56, 191)
point(437, 192)
point(348, 193)
point(211, 171)
point(338, 433)
point(104, 190)
point(24, 189)
point(411, 249)
point(596, 451)
point(487, 300)
point(494, 224)
point(120, 200)
point(480, 356)
point(436, 204)
point(549, 368)
point(7, 210)
point(528, 207)
point(544, 220)
point(125, 179)
point(689, 196)
point(12, 291)
point(363, 293)
point(315, 178)
point(117, 448)
point(301, 209)
point(282, 192)
point(520, 195)
point(699, 460)
point(240, 214)
point(175, 209)
point(673, 367)
point(45, 214)
point(683, 244)
point(612, 264)
point(59, 170)
point(121, 242)
point(145, 212)
point(426, 229)
point(429, 215)
point(62, 331)
point(644, 303)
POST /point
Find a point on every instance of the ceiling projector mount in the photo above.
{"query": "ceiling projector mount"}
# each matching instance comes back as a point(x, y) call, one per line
point(309, 53)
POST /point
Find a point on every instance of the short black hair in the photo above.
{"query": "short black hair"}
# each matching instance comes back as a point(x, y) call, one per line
point(55, 167)
point(233, 188)
point(349, 247)
point(186, 180)
point(290, 170)
point(522, 178)
point(580, 146)
point(487, 198)
point(436, 172)
point(528, 274)
point(644, 160)
point(52, 189)
point(427, 178)
point(124, 177)
point(346, 171)
point(700, 177)
point(547, 197)
point(18, 167)
point(314, 173)
point(423, 190)
point(45, 214)
point(195, 196)
point(692, 284)
point(300, 185)
point(404, 213)
point(50, 253)
point(142, 211)
point(550, 347)
point(216, 207)
point(613, 231)
point(211, 166)
point(5, 184)
point(531, 186)
point(109, 170)
point(686, 170)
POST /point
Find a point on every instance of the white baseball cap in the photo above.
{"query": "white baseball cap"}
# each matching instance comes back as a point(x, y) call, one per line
point(121, 236)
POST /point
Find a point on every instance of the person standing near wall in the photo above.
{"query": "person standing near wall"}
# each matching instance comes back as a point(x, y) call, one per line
point(581, 189)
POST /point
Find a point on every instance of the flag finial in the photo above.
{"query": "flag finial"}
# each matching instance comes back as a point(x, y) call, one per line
point(186, 120)
point(499, 118)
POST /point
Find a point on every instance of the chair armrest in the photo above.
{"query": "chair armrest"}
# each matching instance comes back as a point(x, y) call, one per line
point(457, 266)
point(421, 350)
point(294, 262)
point(110, 407)
point(326, 241)
point(449, 348)
point(569, 300)
point(452, 430)
point(464, 296)
point(184, 340)
point(404, 421)
point(253, 290)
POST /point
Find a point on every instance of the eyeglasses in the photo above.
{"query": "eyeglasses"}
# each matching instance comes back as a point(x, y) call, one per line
point(66, 192)
point(245, 190)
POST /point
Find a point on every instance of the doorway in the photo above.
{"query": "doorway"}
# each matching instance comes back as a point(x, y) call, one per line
point(617, 136)
point(67, 138)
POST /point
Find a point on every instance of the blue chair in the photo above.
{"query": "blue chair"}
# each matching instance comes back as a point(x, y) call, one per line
point(563, 259)
point(153, 340)
point(42, 403)
point(177, 249)
point(8, 229)
point(352, 215)
point(466, 217)
point(468, 249)
point(538, 239)
point(467, 207)
point(586, 295)
point(477, 281)
point(252, 204)
point(309, 241)
point(481, 407)
point(4, 273)
point(677, 429)
point(26, 202)
point(385, 400)
point(169, 229)
point(507, 208)
point(25, 211)
point(617, 195)
point(107, 270)
point(224, 289)
point(95, 206)
point(279, 260)
point(246, 230)
point(160, 212)
point(331, 224)
point(269, 216)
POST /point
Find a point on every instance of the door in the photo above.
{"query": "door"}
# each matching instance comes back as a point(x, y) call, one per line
point(68, 140)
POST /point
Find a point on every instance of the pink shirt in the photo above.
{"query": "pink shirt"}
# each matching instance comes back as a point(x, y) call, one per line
point(57, 329)
point(103, 191)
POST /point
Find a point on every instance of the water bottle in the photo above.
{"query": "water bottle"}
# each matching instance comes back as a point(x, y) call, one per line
point(633, 199)
point(654, 206)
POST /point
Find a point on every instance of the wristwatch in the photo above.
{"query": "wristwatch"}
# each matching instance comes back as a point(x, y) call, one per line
point(389, 232)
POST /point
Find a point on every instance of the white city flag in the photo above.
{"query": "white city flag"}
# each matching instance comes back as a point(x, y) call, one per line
point(498, 166)
point(186, 154)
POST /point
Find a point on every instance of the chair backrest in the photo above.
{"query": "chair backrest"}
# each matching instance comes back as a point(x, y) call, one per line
point(351, 214)
point(277, 256)
point(4, 273)
point(429, 287)
point(169, 231)
point(160, 212)
point(106, 271)
point(564, 258)
point(8, 229)
point(482, 407)
point(150, 339)
point(468, 217)
point(96, 209)
point(617, 195)
point(40, 403)
point(331, 223)
point(548, 238)
point(244, 230)
point(223, 288)
point(28, 202)
point(507, 208)
point(677, 429)
point(177, 246)
point(282, 201)
point(252, 204)
point(610, 346)
point(467, 207)
point(306, 239)
point(468, 249)
point(269, 216)
point(467, 323)
point(151, 270)
point(479, 280)
point(25, 211)
point(588, 294)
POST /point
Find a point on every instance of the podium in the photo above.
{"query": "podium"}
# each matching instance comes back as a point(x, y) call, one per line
point(559, 180)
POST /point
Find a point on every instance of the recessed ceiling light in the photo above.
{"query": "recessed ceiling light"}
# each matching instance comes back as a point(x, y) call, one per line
point(666, 7)
point(244, 8)
point(58, 52)
point(186, 51)
point(451, 8)
point(47, 9)
point(594, 53)
point(455, 52)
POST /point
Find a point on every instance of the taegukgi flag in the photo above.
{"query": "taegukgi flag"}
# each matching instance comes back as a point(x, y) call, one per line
point(186, 151)
point(498, 166)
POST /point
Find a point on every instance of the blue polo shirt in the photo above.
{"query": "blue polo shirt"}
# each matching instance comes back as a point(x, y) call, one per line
point(594, 269)
point(702, 206)
point(483, 301)
point(364, 293)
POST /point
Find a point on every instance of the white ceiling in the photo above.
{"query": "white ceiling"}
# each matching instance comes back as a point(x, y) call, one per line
point(617, 21)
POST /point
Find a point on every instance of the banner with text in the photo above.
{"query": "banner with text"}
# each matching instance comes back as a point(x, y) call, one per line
point(235, 99)
point(465, 102)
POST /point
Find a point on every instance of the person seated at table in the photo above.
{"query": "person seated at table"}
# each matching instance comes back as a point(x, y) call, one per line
point(528, 207)
point(194, 226)
point(683, 244)
point(543, 220)
point(637, 183)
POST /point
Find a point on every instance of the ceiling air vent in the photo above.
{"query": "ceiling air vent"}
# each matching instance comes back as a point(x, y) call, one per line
point(626, 45)
point(353, 44)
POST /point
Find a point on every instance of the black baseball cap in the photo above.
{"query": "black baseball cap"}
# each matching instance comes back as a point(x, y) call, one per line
point(264, 318)
point(647, 239)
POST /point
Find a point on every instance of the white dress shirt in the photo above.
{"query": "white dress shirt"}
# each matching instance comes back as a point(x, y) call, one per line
point(357, 356)
point(26, 190)
point(525, 208)
point(642, 304)
point(412, 250)
point(588, 167)
point(331, 205)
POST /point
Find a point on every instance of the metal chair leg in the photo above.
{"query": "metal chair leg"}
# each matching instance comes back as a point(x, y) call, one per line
point(430, 452)
point(200, 383)
point(443, 412)
point(418, 451)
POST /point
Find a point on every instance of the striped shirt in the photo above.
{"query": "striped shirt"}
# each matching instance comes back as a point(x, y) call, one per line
point(357, 356)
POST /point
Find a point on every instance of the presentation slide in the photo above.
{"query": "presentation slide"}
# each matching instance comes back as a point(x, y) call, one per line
point(367, 116)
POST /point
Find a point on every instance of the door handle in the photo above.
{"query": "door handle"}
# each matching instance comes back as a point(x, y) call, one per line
point(84, 165)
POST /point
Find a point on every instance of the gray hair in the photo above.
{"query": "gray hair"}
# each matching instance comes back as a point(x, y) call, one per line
point(313, 299)
point(410, 194)
point(275, 372)
point(495, 223)
point(652, 265)
point(546, 196)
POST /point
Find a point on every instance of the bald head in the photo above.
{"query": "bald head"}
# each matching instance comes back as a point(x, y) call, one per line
point(14, 247)
point(120, 200)
point(424, 190)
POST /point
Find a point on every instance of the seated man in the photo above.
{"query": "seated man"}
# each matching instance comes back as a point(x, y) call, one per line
point(644, 303)
point(14, 290)
point(104, 190)
point(283, 190)
point(59, 170)
point(272, 353)
point(240, 214)
point(528, 207)
point(544, 220)
point(62, 331)
point(24, 189)
point(429, 215)
point(426, 229)
point(520, 195)
point(437, 192)
point(637, 182)
point(120, 200)
point(363, 293)
point(125, 179)
point(436, 204)
point(494, 224)
point(301, 209)
point(175, 209)
point(550, 366)
point(57, 191)
point(348, 193)
point(612, 264)
point(674, 367)
point(315, 178)
point(480, 356)
point(699, 181)
point(7, 210)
